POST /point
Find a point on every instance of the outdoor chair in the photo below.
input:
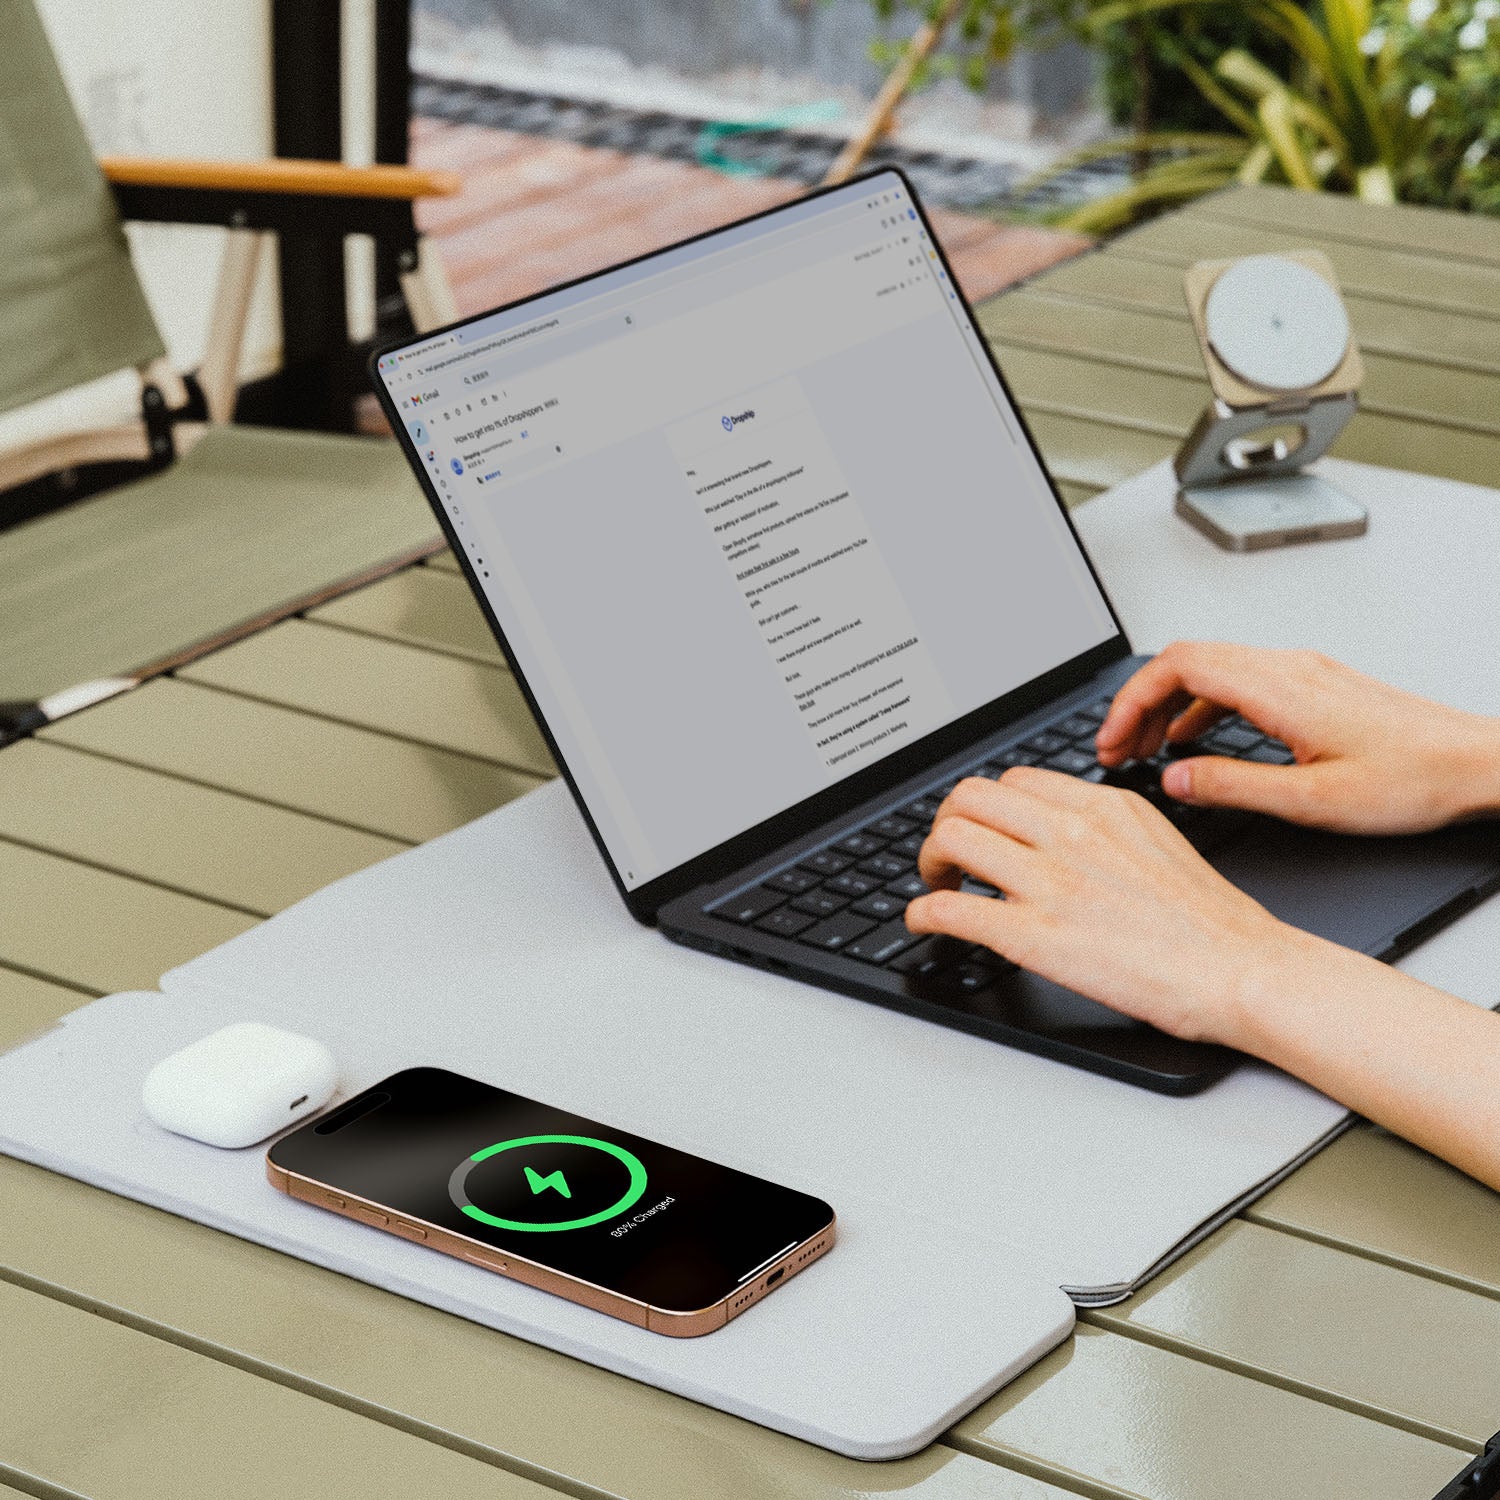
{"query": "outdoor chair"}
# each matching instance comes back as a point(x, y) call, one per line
point(213, 528)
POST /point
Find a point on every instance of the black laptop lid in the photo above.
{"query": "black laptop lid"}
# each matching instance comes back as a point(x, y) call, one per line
point(756, 522)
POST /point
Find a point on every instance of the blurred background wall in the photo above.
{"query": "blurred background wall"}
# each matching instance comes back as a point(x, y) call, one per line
point(826, 42)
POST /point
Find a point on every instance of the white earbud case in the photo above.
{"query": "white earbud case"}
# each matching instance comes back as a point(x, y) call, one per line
point(240, 1084)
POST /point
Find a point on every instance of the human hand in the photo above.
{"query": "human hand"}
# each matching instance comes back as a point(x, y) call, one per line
point(1102, 895)
point(1370, 758)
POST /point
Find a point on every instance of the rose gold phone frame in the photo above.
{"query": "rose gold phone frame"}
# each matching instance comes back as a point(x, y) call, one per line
point(682, 1325)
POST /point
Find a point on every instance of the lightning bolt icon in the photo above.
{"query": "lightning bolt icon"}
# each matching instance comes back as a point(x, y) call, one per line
point(551, 1180)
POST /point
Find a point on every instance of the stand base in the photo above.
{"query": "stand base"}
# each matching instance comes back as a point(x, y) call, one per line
point(1251, 514)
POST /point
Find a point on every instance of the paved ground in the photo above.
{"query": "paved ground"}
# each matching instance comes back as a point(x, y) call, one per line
point(534, 212)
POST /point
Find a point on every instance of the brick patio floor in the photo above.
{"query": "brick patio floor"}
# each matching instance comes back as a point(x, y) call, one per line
point(534, 212)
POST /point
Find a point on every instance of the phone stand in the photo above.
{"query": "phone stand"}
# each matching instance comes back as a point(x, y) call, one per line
point(1226, 446)
point(1285, 373)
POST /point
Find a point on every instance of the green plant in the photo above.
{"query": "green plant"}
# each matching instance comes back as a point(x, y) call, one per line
point(1447, 70)
point(1380, 101)
point(1334, 123)
point(1379, 98)
point(1140, 77)
point(1140, 55)
point(984, 33)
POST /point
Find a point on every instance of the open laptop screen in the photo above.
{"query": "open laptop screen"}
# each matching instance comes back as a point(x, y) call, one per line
point(752, 514)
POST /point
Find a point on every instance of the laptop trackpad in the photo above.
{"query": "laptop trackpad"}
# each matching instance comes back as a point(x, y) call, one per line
point(1375, 895)
point(1371, 894)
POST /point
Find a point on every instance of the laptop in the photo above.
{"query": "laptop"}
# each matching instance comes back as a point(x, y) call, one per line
point(776, 562)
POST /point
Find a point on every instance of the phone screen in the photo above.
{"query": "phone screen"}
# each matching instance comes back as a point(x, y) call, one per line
point(656, 1225)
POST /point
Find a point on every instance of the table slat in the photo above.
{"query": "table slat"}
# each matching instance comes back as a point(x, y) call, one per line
point(1074, 493)
point(1042, 322)
point(421, 606)
point(293, 759)
point(1167, 405)
point(29, 1005)
point(1407, 226)
point(1418, 280)
point(1085, 451)
point(98, 930)
point(421, 696)
point(109, 1412)
point(1401, 1347)
point(1152, 401)
point(1151, 1422)
point(207, 843)
point(1432, 335)
point(1379, 1195)
point(505, 1399)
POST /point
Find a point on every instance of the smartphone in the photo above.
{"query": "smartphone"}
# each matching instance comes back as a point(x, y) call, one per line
point(607, 1219)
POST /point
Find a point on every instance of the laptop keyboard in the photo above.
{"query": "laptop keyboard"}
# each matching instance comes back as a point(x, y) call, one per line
point(850, 896)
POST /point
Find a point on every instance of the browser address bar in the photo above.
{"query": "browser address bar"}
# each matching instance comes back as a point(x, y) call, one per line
point(601, 308)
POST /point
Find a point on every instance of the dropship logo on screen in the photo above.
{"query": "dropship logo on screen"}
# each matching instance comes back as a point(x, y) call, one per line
point(730, 423)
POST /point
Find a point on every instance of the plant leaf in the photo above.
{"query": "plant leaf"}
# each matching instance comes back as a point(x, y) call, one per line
point(1220, 97)
point(1118, 12)
point(1257, 162)
point(1119, 209)
point(1348, 78)
point(1280, 128)
point(1249, 73)
point(1290, 22)
point(1125, 145)
point(1346, 21)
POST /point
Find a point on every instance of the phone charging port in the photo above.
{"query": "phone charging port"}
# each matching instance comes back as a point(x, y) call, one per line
point(775, 1276)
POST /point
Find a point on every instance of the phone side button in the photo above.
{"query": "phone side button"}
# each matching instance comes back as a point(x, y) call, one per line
point(485, 1262)
point(369, 1216)
point(408, 1231)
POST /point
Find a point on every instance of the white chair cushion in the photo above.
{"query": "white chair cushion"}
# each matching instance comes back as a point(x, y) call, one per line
point(107, 402)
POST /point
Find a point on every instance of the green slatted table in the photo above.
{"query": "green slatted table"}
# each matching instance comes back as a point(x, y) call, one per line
point(1337, 1339)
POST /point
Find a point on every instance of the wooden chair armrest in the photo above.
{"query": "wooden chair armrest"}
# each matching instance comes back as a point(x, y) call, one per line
point(125, 443)
point(291, 175)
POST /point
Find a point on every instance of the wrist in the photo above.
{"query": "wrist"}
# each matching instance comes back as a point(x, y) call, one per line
point(1477, 778)
point(1279, 985)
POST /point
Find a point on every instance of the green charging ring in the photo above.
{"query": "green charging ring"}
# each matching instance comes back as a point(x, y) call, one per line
point(630, 1197)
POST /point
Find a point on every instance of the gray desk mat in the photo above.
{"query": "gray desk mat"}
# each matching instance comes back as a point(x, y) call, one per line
point(868, 1353)
point(972, 1181)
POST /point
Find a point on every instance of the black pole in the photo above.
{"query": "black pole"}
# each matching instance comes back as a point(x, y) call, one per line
point(392, 139)
point(313, 389)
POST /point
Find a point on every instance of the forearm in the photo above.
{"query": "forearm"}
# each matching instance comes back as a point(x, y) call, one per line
point(1477, 770)
point(1411, 1058)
